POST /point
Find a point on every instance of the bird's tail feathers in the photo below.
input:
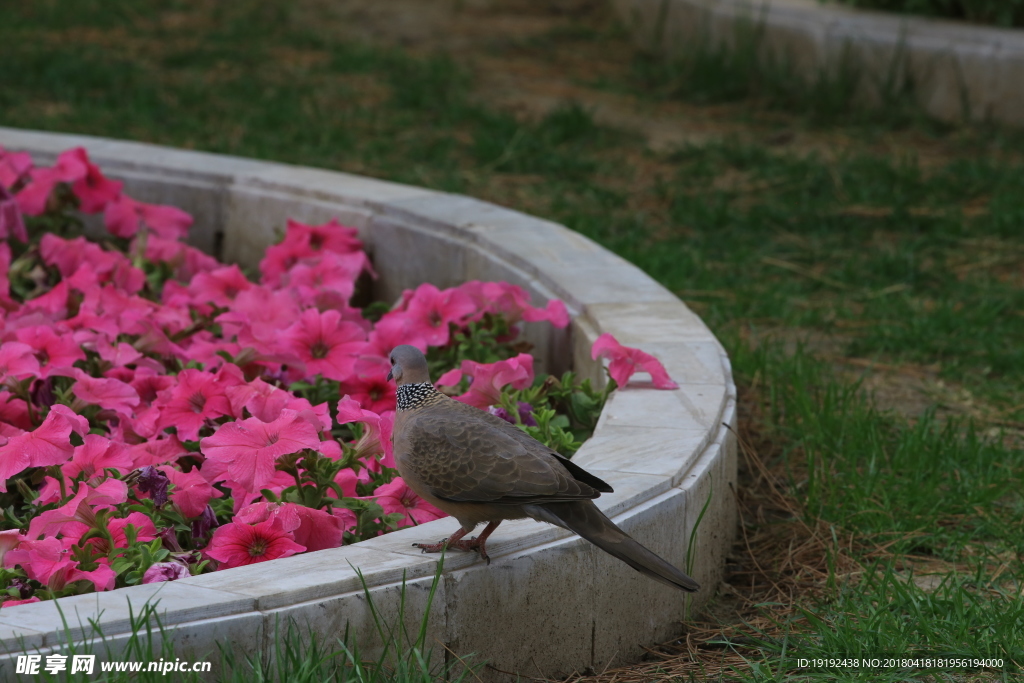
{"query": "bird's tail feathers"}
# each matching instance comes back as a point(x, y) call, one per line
point(585, 519)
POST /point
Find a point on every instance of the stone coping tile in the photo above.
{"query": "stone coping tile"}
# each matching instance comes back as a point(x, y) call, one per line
point(176, 602)
point(958, 69)
point(662, 321)
point(454, 212)
point(17, 638)
point(637, 406)
point(665, 453)
point(313, 576)
point(336, 186)
point(114, 155)
point(588, 285)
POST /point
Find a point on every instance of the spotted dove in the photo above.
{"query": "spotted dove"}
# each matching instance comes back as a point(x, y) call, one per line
point(479, 468)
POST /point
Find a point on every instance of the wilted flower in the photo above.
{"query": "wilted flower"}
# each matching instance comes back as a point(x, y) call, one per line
point(166, 571)
point(204, 523)
point(155, 483)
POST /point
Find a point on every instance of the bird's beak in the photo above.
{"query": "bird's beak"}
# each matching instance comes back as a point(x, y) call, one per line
point(391, 372)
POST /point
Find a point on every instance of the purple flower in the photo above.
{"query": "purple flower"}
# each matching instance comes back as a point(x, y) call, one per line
point(169, 539)
point(154, 482)
point(42, 393)
point(201, 527)
point(525, 414)
point(165, 571)
point(23, 587)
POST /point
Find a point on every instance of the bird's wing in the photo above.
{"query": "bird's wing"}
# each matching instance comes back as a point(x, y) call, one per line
point(464, 457)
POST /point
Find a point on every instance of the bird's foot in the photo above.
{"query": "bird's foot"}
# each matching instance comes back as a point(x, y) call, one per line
point(474, 543)
point(459, 544)
point(431, 547)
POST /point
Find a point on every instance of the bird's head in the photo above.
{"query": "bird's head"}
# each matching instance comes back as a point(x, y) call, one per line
point(408, 366)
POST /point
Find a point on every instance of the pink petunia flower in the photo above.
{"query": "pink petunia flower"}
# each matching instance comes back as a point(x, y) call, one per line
point(626, 361)
point(490, 378)
point(145, 530)
point(191, 492)
point(95, 191)
point(186, 261)
point(102, 578)
point(53, 351)
point(250, 448)
point(303, 241)
point(124, 216)
point(219, 287)
point(237, 544)
point(50, 562)
point(50, 444)
point(375, 448)
point(14, 411)
point(70, 167)
point(326, 344)
point(335, 273)
point(197, 397)
point(432, 311)
point(78, 514)
point(257, 318)
point(147, 383)
point(40, 559)
point(9, 540)
point(154, 452)
point(369, 386)
point(312, 528)
point(398, 497)
point(110, 394)
point(513, 303)
point(120, 355)
point(265, 402)
point(18, 361)
point(96, 455)
point(13, 167)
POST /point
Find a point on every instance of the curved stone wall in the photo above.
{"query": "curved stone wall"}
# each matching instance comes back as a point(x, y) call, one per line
point(956, 70)
point(549, 603)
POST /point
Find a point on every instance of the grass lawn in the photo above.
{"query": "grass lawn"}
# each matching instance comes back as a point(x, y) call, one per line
point(865, 271)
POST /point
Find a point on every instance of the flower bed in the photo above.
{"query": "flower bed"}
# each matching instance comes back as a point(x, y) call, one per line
point(565, 606)
point(164, 416)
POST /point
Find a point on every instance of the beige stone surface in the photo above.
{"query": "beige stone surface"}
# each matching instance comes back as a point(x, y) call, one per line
point(176, 602)
point(549, 603)
point(958, 70)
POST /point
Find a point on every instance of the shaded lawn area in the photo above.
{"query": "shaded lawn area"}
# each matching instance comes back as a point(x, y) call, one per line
point(868, 285)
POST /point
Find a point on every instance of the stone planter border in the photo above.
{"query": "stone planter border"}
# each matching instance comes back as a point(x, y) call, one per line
point(549, 603)
point(956, 70)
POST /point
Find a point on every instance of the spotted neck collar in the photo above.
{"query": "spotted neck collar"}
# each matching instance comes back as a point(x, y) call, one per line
point(414, 395)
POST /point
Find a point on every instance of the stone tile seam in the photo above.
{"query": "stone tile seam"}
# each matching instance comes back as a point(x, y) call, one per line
point(722, 437)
